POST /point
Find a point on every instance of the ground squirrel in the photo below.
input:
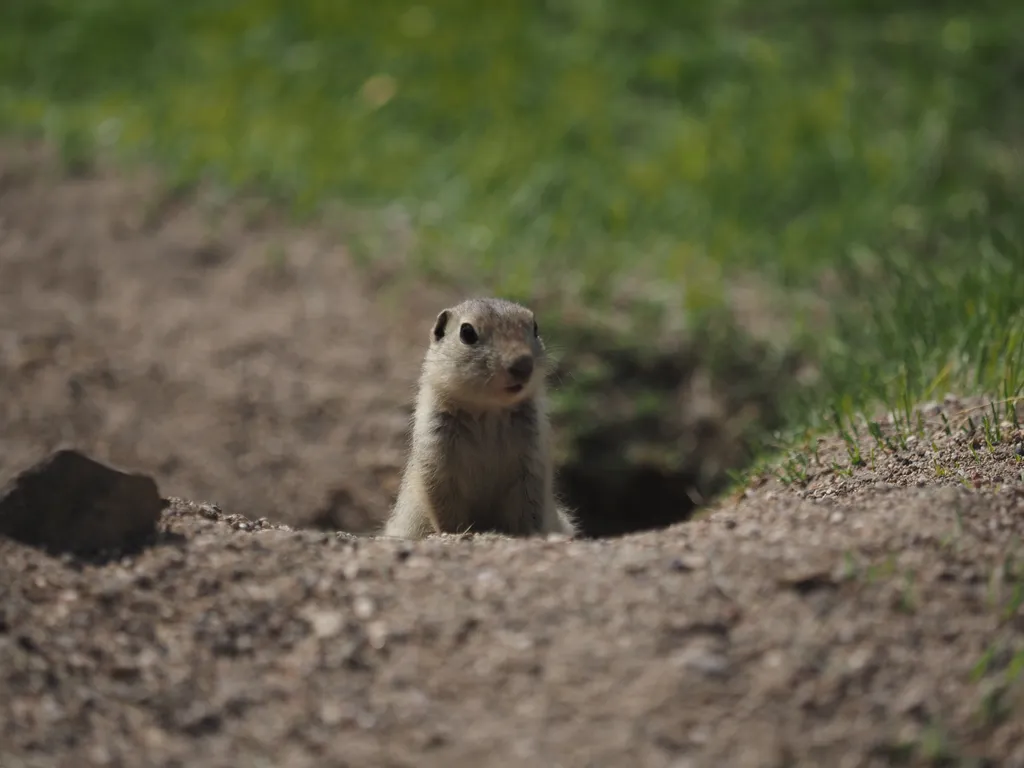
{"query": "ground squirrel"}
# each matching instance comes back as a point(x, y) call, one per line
point(480, 458)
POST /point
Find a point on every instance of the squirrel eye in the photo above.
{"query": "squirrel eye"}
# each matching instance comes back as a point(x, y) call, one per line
point(468, 334)
point(536, 329)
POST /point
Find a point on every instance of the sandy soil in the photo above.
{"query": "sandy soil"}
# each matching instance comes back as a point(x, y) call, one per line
point(871, 618)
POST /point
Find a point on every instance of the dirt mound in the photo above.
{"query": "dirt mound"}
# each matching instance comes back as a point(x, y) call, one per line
point(857, 620)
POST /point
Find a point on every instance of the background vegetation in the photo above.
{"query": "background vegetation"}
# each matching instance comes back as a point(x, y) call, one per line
point(645, 155)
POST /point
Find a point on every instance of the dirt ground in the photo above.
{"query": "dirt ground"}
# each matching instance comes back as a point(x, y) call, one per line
point(866, 619)
point(234, 358)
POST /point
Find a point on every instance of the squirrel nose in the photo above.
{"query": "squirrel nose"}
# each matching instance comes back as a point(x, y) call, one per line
point(521, 369)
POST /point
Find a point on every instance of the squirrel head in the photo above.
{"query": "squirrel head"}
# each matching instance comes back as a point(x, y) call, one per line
point(486, 354)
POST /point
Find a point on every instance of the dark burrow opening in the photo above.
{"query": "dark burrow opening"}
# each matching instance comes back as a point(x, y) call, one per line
point(647, 437)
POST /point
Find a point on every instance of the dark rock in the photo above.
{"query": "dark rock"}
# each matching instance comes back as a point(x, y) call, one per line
point(71, 503)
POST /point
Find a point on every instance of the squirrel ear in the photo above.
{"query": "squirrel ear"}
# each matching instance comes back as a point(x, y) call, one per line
point(440, 324)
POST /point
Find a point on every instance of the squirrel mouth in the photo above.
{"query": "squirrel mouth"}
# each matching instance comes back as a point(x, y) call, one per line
point(515, 389)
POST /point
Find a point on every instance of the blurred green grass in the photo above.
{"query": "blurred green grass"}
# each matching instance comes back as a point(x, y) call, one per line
point(584, 145)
